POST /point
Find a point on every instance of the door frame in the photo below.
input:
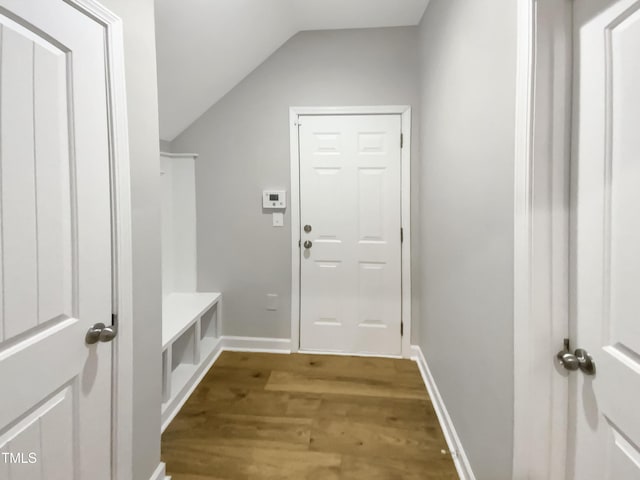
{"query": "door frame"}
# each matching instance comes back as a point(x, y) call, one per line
point(405, 191)
point(541, 236)
point(122, 268)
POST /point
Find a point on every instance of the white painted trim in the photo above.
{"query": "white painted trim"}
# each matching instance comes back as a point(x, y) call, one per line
point(347, 354)
point(541, 230)
point(405, 112)
point(159, 473)
point(256, 344)
point(294, 163)
point(179, 155)
point(406, 226)
point(357, 110)
point(122, 413)
point(458, 454)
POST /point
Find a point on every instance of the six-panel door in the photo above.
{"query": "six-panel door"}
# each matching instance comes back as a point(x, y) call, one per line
point(350, 298)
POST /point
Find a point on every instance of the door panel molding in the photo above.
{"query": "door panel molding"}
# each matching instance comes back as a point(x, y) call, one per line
point(405, 112)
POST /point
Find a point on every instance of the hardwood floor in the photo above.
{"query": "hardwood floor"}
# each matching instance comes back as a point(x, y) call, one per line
point(317, 417)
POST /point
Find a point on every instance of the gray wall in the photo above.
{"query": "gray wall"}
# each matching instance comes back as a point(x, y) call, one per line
point(468, 108)
point(142, 98)
point(243, 142)
point(165, 146)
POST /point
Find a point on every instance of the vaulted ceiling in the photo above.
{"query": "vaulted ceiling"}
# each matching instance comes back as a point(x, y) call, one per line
point(205, 47)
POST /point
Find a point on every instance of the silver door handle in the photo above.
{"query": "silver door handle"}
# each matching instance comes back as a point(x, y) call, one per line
point(100, 333)
point(580, 359)
point(585, 361)
point(108, 333)
point(308, 244)
point(567, 359)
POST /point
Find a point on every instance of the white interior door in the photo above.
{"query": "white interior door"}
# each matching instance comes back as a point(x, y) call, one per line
point(605, 408)
point(350, 285)
point(55, 244)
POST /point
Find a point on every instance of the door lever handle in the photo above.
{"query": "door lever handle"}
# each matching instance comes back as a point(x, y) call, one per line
point(307, 244)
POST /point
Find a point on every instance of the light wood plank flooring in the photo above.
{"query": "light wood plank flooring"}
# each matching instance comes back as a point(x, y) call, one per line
point(269, 416)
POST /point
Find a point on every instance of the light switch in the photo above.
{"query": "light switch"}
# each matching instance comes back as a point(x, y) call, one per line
point(272, 301)
point(278, 219)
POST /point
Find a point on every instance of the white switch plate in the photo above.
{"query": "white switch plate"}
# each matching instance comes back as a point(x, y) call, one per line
point(278, 219)
point(272, 301)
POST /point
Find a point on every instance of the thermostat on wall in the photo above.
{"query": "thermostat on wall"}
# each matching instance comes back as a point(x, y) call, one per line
point(274, 199)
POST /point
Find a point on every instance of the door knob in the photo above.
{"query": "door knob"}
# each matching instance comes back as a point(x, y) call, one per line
point(580, 359)
point(93, 334)
point(585, 362)
point(108, 333)
point(567, 359)
point(308, 244)
point(100, 333)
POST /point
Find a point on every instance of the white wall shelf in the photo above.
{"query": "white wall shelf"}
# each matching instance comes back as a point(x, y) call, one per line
point(181, 310)
point(190, 319)
point(190, 341)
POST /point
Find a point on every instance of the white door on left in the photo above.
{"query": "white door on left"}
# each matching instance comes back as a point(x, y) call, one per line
point(55, 243)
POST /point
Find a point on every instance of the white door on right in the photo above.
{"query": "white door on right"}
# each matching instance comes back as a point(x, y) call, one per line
point(604, 426)
point(350, 210)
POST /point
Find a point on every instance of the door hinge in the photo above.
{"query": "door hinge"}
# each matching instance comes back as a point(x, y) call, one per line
point(401, 329)
point(401, 234)
point(299, 243)
point(114, 319)
point(401, 140)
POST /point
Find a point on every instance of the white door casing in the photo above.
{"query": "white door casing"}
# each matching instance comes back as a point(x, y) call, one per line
point(604, 418)
point(541, 236)
point(350, 278)
point(55, 242)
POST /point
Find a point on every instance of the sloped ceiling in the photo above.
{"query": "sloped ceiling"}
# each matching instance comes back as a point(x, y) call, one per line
point(205, 47)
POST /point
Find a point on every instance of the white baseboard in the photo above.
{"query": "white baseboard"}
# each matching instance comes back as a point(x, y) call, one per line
point(159, 473)
point(283, 345)
point(256, 344)
point(458, 454)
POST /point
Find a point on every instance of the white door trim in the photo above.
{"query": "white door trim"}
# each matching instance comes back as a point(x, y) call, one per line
point(122, 374)
point(405, 112)
point(541, 236)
